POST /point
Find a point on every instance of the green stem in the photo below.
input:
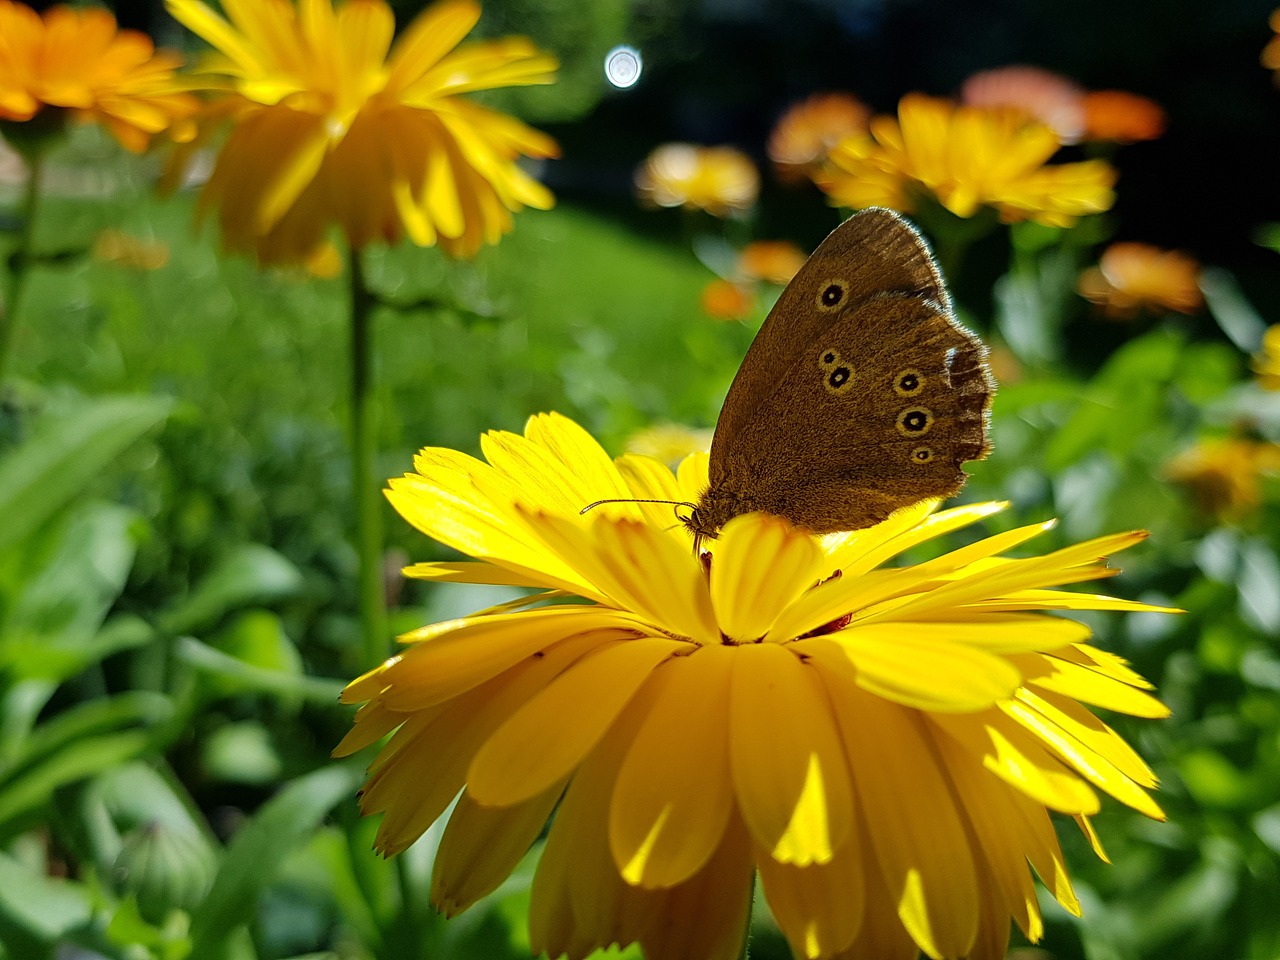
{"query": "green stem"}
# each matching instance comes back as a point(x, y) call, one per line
point(372, 593)
point(22, 257)
point(746, 934)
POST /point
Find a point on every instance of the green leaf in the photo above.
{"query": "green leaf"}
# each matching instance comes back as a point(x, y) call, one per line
point(245, 676)
point(257, 851)
point(45, 908)
point(64, 455)
point(28, 793)
point(249, 574)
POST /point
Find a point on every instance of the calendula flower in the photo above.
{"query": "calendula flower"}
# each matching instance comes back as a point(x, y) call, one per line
point(1047, 96)
point(1132, 277)
point(1271, 52)
point(802, 137)
point(883, 744)
point(968, 158)
point(1266, 363)
point(334, 125)
point(1121, 117)
point(728, 300)
point(118, 247)
point(719, 180)
point(773, 261)
point(669, 443)
point(76, 62)
point(1224, 475)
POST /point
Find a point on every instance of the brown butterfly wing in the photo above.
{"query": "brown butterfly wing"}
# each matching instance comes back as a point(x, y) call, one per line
point(874, 251)
point(864, 408)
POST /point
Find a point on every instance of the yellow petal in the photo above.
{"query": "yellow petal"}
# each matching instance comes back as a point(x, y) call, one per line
point(762, 564)
point(818, 907)
point(791, 777)
point(544, 741)
point(918, 837)
point(1049, 672)
point(662, 828)
point(429, 673)
point(481, 846)
point(434, 32)
point(918, 667)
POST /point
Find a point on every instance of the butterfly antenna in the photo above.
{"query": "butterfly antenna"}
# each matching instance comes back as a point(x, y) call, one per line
point(677, 503)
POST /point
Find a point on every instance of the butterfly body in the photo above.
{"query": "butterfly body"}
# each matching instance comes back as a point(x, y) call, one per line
point(860, 395)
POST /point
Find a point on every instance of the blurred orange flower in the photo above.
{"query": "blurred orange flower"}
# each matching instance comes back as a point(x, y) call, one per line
point(1266, 363)
point(808, 130)
point(719, 180)
point(773, 261)
point(1223, 475)
point(725, 300)
point(333, 125)
point(1271, 52)
point(968, 157)
point(1121, 117)
point(1047, 96)
point(77, 61)
point(1132, 277)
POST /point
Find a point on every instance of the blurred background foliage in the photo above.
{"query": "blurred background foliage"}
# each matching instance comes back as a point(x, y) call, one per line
point(176, 566)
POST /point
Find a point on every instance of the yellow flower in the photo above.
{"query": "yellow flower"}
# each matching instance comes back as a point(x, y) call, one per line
point(802, 137)
point(1223, 475)
point(1131, 277)
point(719, 180)
point(1047, 96)
point(669, 442)
point(1121, 117)
point(116, 246)
point(1266, 363)
point(883, 744)
point(968, 158)
point(333, 125)
point(77, 61)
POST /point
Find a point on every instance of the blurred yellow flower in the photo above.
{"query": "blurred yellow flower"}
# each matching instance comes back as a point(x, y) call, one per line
point(727, 300)
point(1121, 117)
point(773, 261)
point(882, 744)
point(118, 247)
point(333, 125)
point(719, 180)
point(967, 157)
point(1046, 96)
point(1271, 52)
point(1132, 277)
point(802, 137)
point(669, 443)
point(1223, 475)
point(75, 60)
point(1266, 363)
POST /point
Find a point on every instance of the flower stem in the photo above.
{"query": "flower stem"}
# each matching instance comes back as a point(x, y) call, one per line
point(22, 257)
point(372, 593)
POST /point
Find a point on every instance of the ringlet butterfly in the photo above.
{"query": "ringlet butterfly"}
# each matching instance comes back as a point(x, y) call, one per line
point(861, 393)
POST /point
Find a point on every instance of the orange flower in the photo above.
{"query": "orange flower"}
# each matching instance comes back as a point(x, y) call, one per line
point(805, 134)
point(1131, 277)
point(1266, 363)
point(967, 157)
point(719, 180)
point(1271, 52)
point(1052, 99)
point(1122, 117)
point(774, 261)
point(723, 300)
point(76, 60)
point(1223, 475)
